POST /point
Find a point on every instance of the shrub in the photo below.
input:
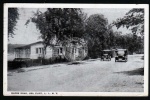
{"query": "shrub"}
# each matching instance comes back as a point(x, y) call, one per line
point(34, 62)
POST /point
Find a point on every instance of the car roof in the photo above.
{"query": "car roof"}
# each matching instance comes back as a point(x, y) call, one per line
point(121, 49)
point(106, 50)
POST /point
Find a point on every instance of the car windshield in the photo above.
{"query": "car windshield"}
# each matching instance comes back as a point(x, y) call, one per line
point(121, 52)
point(105, 52)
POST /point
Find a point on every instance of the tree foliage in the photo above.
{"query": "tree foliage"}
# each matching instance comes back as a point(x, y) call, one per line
point(59, 24)
point(96, 34)
point(67, 23)
point(134, 20)
point(100, 35)
point(131, 42)
point(13, 16)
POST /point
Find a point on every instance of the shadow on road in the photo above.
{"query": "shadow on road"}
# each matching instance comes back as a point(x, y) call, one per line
point(122, 61)
point(75, 63)
point(138, 71)
point(91, 60)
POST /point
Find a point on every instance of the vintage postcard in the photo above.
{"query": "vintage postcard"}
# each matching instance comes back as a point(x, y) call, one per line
point(75, 49)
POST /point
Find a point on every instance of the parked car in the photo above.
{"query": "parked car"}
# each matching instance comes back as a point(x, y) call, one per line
point(121, 55)
point(106, 55)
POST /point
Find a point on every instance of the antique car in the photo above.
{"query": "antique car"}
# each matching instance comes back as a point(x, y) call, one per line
point(106, 55)
point(121, 55)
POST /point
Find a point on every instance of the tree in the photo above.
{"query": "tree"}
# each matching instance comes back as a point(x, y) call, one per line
point(134, 20)
point(59, 24)
point(110, 37)
point(96, 34)
point(13, 16)
point(131, 42)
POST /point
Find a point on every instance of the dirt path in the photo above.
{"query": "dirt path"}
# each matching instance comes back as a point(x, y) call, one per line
point(89, 76)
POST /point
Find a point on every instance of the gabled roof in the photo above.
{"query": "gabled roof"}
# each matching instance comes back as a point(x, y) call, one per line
point(28, 45)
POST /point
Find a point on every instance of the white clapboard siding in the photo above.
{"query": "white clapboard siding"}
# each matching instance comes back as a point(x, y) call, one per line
point(48, 53)
point(35, 55)
point(34, 51)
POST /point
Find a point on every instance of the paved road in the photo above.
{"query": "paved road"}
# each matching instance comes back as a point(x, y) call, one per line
point(89, 76)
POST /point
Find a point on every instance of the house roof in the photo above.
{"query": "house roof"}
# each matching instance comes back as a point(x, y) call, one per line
point(28, 45)
point(11, 47)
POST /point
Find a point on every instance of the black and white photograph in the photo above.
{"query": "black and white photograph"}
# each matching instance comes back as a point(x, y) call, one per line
point(76, 49)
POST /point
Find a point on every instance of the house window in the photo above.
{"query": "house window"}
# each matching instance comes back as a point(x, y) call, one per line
point(45, 50)
point(40, 50)
point(60, 50)
point(37, 50)
point(72, 50)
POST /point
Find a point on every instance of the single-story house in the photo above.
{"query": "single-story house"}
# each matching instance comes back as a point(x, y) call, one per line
point(36, 50)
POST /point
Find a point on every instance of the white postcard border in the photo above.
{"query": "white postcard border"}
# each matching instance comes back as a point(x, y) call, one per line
point(24, 5)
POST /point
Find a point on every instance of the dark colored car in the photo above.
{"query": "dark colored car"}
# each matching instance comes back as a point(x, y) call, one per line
point(121, 55)
point(106, 55)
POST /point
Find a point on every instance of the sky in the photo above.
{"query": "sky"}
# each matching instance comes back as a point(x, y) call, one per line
point(30, 34)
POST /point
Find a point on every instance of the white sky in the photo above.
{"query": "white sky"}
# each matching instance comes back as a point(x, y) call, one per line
point(29, 34)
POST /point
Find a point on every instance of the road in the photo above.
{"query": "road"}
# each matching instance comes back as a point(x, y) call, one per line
point(89, 76)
